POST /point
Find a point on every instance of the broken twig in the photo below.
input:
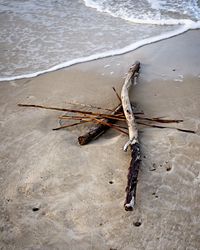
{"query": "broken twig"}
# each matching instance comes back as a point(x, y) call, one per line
point(118, 97)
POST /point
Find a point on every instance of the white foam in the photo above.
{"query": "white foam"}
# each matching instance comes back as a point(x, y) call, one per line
point(149, 17)
point(156, 4)
point(188, 25)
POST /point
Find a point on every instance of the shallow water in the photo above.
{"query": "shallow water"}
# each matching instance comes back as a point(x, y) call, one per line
point(38, 36)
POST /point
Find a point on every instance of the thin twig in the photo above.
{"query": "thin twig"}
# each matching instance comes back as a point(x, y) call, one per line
point(92, 120)
point(70, 125)
point(101, 116)
point(157, 126)
point(158, 119)
point(74, 117)
point(89, 106)
point(110, 125)
point(118, 96)
point(69, 110)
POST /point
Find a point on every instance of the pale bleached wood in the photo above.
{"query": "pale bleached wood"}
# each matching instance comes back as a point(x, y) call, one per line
point(126, 104)
point(133, 138)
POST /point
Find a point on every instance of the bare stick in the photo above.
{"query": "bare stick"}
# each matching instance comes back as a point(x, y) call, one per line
point(70, 125)
point(118, 97)
point(158, 119)
point(111, 125)
point(158, 126)
point(62, 109)
point(75, 117)
point(121, 117)
point(88, 106)
point(133, 138)
point(101, 116)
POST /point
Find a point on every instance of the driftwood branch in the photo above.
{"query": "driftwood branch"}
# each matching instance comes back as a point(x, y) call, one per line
point(98, 129)
point(133, 138)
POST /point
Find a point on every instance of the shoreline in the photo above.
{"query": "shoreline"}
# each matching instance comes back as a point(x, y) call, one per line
point(77, 207)
point(104, 55)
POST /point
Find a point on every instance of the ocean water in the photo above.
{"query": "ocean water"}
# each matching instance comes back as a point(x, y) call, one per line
point(39, 36)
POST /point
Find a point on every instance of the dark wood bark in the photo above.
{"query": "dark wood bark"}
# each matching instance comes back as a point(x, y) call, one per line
point(98, 129)
point(132, 177)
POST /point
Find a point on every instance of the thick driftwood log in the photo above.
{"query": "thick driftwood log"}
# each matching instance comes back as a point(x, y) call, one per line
point(98, 129)
point(133, 138)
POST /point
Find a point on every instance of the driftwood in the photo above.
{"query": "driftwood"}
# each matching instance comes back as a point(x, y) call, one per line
point(104, 120)
point(98, 129)
point(133, 138)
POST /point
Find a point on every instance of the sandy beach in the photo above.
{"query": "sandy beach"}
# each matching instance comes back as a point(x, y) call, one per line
point(56, 194)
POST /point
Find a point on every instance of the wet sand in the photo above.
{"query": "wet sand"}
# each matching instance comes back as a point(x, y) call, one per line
point(56, 194)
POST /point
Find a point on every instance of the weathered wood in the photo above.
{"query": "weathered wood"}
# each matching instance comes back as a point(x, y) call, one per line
point(98, 129)
point(133, 138)
point(132, 177)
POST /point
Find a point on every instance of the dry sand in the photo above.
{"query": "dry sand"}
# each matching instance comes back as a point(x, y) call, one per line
point(77, 206)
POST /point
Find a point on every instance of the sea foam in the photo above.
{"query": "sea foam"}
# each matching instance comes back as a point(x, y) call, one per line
point(131, 47)
point(158, 12)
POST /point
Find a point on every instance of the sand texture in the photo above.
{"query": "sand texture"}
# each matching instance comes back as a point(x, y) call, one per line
point(57, 195)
